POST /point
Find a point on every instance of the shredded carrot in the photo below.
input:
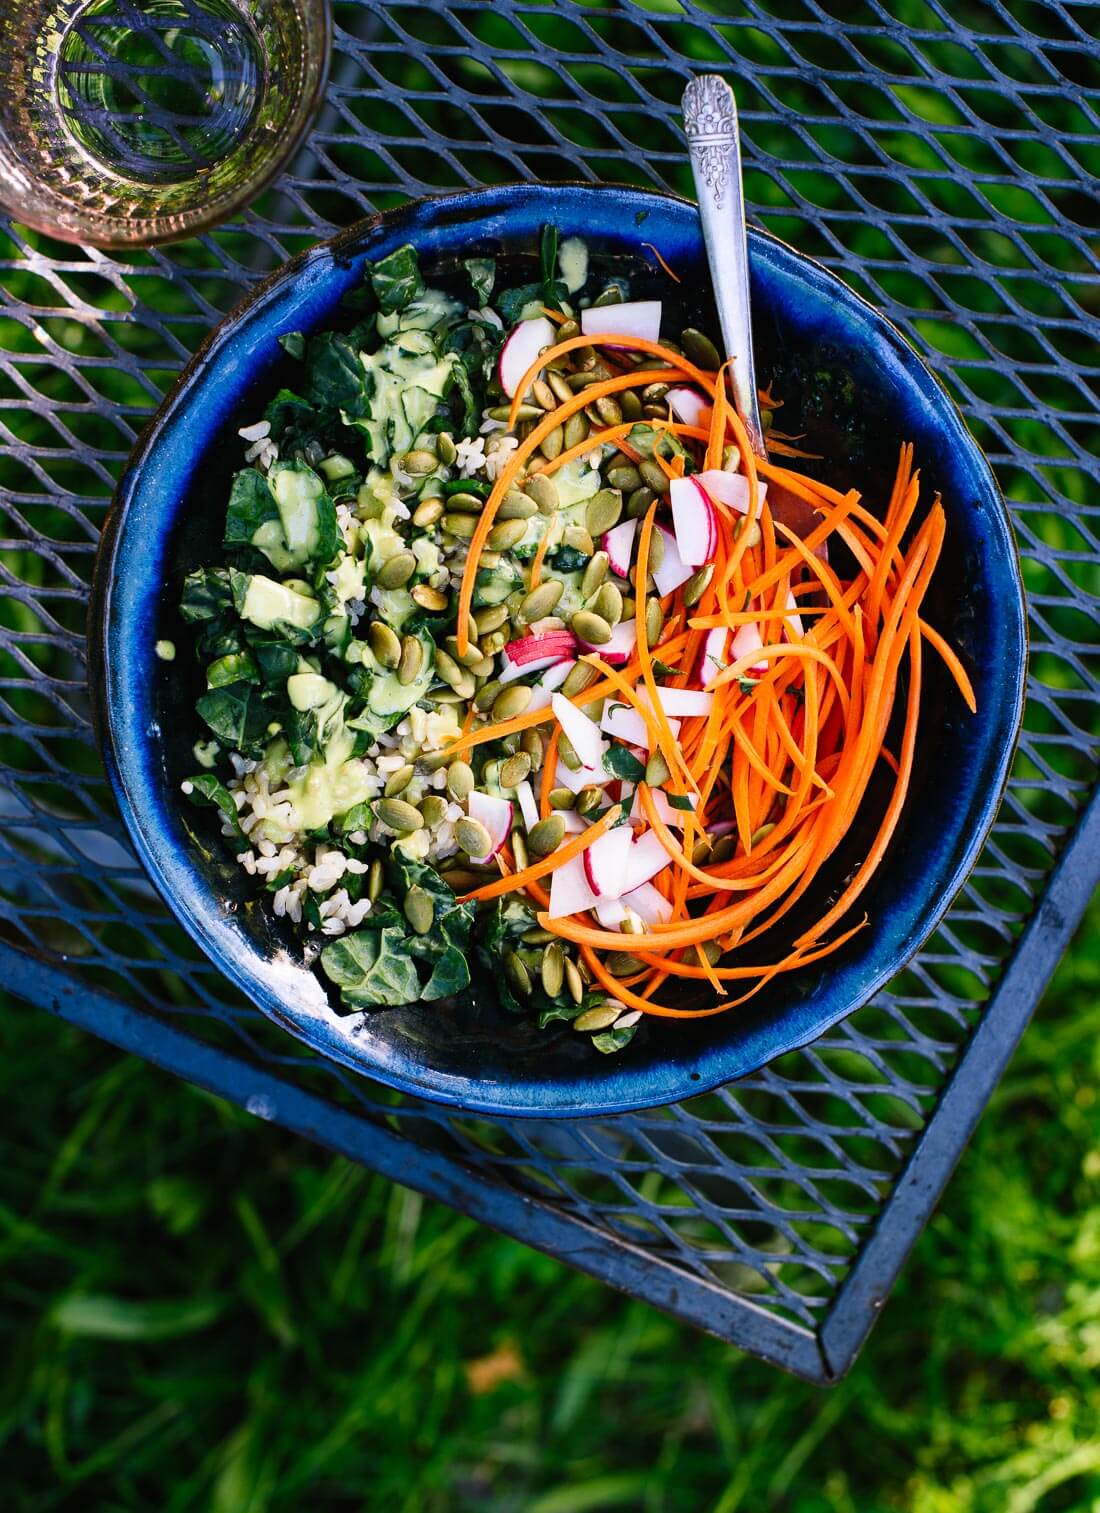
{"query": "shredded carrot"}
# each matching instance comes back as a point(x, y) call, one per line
point(675, 277)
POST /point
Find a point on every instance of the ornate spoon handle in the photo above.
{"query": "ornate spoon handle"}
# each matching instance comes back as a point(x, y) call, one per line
point(714, 148)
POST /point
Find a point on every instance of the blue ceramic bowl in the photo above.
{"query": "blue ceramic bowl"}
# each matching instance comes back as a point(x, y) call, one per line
point(848, 379)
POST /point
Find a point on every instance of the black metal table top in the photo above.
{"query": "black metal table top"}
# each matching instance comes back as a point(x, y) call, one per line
point(945, 166)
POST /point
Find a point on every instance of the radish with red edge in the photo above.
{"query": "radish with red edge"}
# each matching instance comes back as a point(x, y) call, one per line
point(584, 738)
point(536, 653)
point(673, 571)
point(712, 657)
point(496, 815)
point(648, 904)
point(694, 521)
point(639, 317)
point(689, 406)
point(618, 543)
point(607, 862)
point(569, 890)
point(528, 805)
point(746, 640)
point(647, 858)
point(620, 648)
point(521, 347)
point(584, 777)
point(731, 489)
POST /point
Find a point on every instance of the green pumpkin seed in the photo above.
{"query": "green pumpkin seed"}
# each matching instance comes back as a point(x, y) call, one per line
point(725, 848)
point(604, 511)
point(376, 880)
point(511, 701)
point(471, 657)
point(460, 781)
point(567, 754)
point(639, 502)
point(532, 743)
point(384, 643)
point(629, 607)
point(568, 329)
point(398, 816)
point(553, 969)
point(612, 295)
point(579, 539)
point(589, 799)
point(519, 850)
point(653, 475)
point(466, 504)
point(446, 448)
point(623, 964)
point(595, 573)
point(448, 669)
point(516, 770)
point(412, 660)
point(433, 807)
point(537, 936)
point(608, 604)
point(700, 349)
point(760, 835)
point(396, 571)
point(427, 514)
point(562, 798)
point(541, 601)
point(544, 491)
point(752, 535)
point(656, 551)
point(655, 412)
point(428, 597)
point(653, 392)
point(462, 880)
point(580, 677)
point(398, 781)
point(489, 619)
point(700, 851)
point(517, 506)
point(574, 982)
point(697, 584)
point(656, 771)
point(473, 837)
point(591, 627)
point(599, 1018)
point(543, 395)
point(631, 405)
point(576, 429)
point(584, 376)
point(545, 837)
point(625, 478)
point(524, 412)
point(731, 457)
point(419, 909)
point(462, 526)
point(552, 444)
point(489, 773)
point(507, 534)
point(585, 359)
point(516, 973)
point(558, 386)
point(485, 696)
point(420, 462)
point(632, 924)
point(654, 621)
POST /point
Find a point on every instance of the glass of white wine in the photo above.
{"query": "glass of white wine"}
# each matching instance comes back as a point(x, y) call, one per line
point(127, 122)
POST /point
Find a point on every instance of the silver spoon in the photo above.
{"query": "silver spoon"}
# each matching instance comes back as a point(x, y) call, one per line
point(714, 148)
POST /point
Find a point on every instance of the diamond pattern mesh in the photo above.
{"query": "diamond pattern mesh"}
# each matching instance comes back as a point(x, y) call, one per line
point(944, 165)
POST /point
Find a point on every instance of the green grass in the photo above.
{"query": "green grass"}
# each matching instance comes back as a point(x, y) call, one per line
point(199, 1311)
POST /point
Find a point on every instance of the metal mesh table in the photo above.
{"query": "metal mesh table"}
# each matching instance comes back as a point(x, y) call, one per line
point(945, 167)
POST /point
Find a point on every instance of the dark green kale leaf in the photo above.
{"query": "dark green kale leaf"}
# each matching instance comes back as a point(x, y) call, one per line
point(506, 923)
point(612, 1040)
point(335, 376)
point(293, 343)
point(251, 504)
point(622, 763)
point(238, 715)
point(396, 279)
point(446, 946)
point(554, 290)
point(207, 791)
point(567, 559)
point(372, 968)
point(275, 657)
point(207, 593)
point(483, 272)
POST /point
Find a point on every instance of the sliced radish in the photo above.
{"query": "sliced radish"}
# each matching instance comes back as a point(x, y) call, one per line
point(689, 406)
point(712, 658)
point(584, 738)
point(611, 912)
point(628, 725)
point(639, 317)
point(584, 777)
point(688, 703)
point(522, 345)
point(555, 676)
point(694, 521)
point(607, 862)
point(647, 858)
point(621, 646)
point(513, 670)
point(496, 815)
point(730, 489)
point(747, 640)
point(528, 806)
point(648, 904)
point(575, 824)
point(672, 571)
point(540, 698)
point(673, 818)
point(569, 890)
point(618, 543)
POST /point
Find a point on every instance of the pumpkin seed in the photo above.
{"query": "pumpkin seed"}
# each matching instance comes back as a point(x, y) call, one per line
point(599, 1018)
point(544, 395)
point(516, 770)
point(466, 504)
point(396, 571)
point(523, 412)
point(712, 951)
point(412, 660)
point(609, 410)
point(419, 462)
point(585, 359)
point(531, 741)
point(445, 446)
point(567, 754)
point(562, 798)
point(623, 964)
point(516, 973)
point(428, 597)
point(375, 880)
point(752, 535)
point(576, 429)
point(489, 559)
point(384, 643)
point(574, 983)
point(639, 502)
point(511, 701)
point(398, 816)
point(427, 514)
point(552, 444)
point(482, 668)
point(419, 909)
point(544, 491)
point(580, 677)
point(485, 696)
point(489, 773)
point(697, 584)
point(507, 534)
point(519, 850)
point(579, 539)
point(470, 658)
point(656, 771)
point(568, 329)
point(462, 880)
point(653, 474)
point(541, 601)
point(724, 849)
point(700, 349)
point(594, 573)
point(608, 604)
point(654, 620)
point(760, 835)
point(612, 295)
point(630, 404)
point(448, 669)
point(546, 836)
point(604, 511)
point(656, 551)
point(656, 412)
point(731, 457)
point(460, 781)
point(589, 798)
point(473, 837)
point(583, 376)
point(591, 627)
point(629, 607)
point(517, 506)
point(624, 477)
point(462, 526)
point(398, 781)
point(654, 391)
point(553, 969)
point(558, 386)
point(434, 810)
point(632, 924)
point(489, 619)
point(537, 936)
